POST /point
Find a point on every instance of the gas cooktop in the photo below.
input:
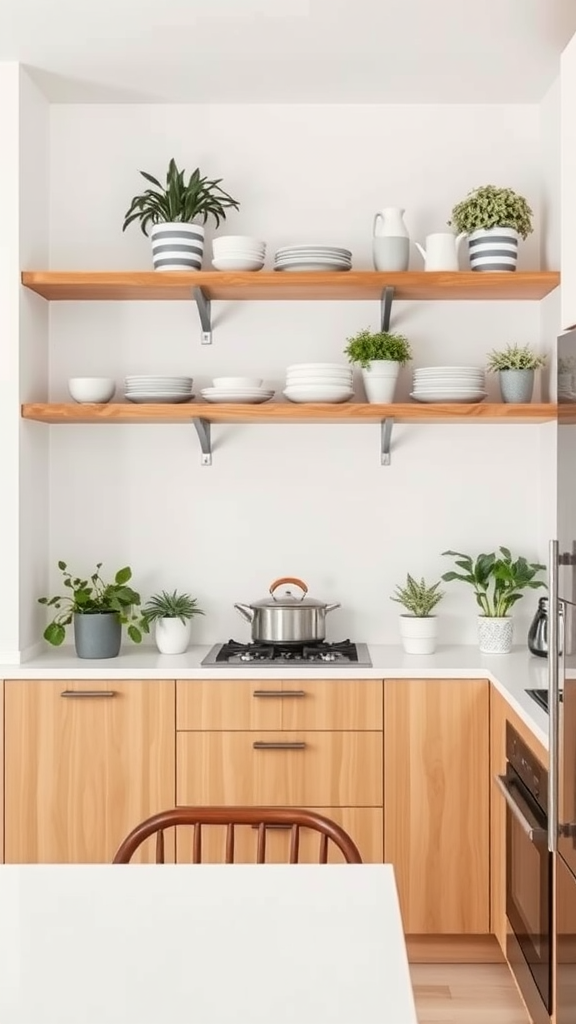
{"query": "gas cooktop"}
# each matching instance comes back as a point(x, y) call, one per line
point(314, 655)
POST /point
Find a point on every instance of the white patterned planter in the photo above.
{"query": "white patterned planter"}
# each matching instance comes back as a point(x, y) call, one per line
point(177, 246)
point(493, 249)
point(495, 634)
point(419, 633)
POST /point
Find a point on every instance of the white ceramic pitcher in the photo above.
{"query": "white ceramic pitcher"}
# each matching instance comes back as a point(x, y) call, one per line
point(441, 252)
point(390, 240)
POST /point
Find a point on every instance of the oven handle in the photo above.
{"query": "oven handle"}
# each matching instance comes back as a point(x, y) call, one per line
point(521, 811)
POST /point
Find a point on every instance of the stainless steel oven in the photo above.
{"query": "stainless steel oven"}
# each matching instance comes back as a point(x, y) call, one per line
point(528, 875)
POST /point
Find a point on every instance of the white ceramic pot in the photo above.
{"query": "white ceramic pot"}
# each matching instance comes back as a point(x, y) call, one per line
point(172, 635)
point(419, 635)
point(493, 249)
point(177, 246)
point(380, 378)
point(495, 634)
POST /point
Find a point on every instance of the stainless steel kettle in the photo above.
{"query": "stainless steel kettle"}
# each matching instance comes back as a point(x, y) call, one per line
point(538, 632)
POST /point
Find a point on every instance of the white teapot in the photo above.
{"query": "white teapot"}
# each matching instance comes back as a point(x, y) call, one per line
point(441, 252)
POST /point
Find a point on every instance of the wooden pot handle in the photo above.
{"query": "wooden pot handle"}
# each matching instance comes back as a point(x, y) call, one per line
point(289, 579)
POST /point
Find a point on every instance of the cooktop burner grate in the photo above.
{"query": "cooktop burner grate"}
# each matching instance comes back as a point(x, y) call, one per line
point(321, 653)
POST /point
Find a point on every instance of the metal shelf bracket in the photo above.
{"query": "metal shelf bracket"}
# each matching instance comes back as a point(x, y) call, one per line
point(386, 438)
point(204, 312)
point(203, 431)
point(386, 306)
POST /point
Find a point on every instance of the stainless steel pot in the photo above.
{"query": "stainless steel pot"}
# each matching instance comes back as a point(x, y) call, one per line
point(290, 619)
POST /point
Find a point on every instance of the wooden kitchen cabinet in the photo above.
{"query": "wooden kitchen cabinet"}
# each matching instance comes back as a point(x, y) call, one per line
point(1, 771)
point(82, 771)
point(436, 802)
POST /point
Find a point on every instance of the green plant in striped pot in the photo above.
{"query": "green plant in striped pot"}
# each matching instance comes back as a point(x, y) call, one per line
point(494, 219)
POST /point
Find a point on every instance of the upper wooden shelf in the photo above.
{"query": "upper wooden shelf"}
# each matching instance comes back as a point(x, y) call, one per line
point(269, 284)
point(284, 412)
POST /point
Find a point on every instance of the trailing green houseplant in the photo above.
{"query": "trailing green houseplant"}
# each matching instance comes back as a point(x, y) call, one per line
point(418, 629)
point(179, 201)
point(88, 600)
point(380, 354)
point(498, 581)
point(491, 207)
point(171, 615)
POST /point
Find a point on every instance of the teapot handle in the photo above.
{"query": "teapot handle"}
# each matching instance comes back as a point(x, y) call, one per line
point(289, 579)
point(376, 216)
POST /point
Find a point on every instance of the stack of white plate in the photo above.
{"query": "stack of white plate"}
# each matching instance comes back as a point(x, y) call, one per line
point(318, 382)
point(238, 252)
point(239, 390)
point(159, 389)
point(449, 384)
point(312, 257)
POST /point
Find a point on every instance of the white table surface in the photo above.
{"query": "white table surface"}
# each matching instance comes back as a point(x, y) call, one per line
point(209, 944)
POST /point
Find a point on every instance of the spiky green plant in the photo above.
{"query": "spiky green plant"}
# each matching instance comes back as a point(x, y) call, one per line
point(515, 357)
point(492, 207)
point(417, 597)
point(497, 580)
point(171, 606)
point(93, 595)
point(366, 346)
point(179, 201)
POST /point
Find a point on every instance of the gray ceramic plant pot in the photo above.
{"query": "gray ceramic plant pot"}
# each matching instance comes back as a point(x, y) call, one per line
point(97, 635)
point(516, 385)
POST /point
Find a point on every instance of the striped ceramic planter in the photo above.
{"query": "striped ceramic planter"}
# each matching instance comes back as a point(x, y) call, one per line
point(493, 249)
point(177, 246)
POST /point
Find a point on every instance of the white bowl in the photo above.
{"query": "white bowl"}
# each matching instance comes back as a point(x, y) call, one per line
point(318, 375)
point(239, 240)
point(237, 382)
point(317, 394)
point(92, 389)
point(237, 264)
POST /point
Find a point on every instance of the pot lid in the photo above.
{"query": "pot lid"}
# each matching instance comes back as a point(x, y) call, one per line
point(291, 598)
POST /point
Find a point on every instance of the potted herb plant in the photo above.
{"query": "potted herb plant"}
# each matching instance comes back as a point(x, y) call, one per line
point(494, 219)
point(172, 615)
point(98, 611)
point(176, 214)
point(515, 367)
point(380, 355)
point(418, 627)
point(497, 582)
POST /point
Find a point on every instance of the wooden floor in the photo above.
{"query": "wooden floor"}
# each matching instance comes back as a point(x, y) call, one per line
point(466, 994)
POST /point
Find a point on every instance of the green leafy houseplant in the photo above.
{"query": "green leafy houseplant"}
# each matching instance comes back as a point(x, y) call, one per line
point(171, 606)
point(418, 598)
point(93, 595)
point(366, 347)
point(491, 207)
point(496, 579)
point(515, 357)
point(179, 200)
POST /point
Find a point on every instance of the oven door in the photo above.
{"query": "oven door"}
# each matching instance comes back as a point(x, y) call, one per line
point(528, 894)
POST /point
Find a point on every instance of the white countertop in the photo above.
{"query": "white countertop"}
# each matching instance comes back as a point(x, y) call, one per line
point(511, 673)
point(217, 944)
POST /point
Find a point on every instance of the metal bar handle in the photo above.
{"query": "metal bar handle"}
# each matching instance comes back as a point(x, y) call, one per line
point(529, 827)
point(279, 693)
point(553, 695)
point(278, 745)
point(88, 693)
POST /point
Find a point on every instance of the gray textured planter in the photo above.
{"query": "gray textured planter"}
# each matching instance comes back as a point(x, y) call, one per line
point(516, 385)
point(97, 635)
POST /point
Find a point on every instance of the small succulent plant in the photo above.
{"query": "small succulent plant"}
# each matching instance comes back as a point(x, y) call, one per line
point(171, 606)
point(515, 357)
point(417, 597)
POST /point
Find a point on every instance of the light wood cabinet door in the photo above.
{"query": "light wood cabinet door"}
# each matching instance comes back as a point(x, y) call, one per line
point(363, 824)
point(82, 771)
point(354, 704)
point(304, 769)
point(436, 802)
point(228, 704)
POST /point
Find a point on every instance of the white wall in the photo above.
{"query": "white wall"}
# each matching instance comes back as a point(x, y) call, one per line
point(310, 501)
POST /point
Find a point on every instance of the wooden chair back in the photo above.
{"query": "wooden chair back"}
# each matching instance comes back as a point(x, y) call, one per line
point(262, 818)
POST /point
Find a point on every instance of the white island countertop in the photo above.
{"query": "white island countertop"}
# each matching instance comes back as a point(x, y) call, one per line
point(214, 944)
point(512, 674)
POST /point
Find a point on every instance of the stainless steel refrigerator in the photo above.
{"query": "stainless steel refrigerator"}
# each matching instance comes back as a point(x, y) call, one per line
point(562, 691)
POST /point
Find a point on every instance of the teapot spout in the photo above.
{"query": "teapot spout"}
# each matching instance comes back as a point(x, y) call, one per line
point(246, 612)
point(460, 238)
point(421, 250)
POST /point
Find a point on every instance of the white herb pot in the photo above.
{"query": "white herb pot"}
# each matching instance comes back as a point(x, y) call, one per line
point(495, 634)
point(380, 379)
point(172, 635)
point(177, 246)
point(493, 249)
point(419, 635)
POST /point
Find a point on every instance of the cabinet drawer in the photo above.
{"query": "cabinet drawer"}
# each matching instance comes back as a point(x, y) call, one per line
point(333, 704)
point(304, 769)
point(363, 824)
point(228, 704)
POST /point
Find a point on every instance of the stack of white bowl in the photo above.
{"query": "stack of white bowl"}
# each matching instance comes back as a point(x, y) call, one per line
point(318, 382)
point(238, 252)
point(449, 384)
point(164, 390)
point(240, 390)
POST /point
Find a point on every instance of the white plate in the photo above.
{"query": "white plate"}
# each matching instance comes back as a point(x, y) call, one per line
point(160, 399)
point(144, 378)
point(230, 264)
point(235, 399)
point(471, 399)
point(306, 247)
point(331, 395)
point(319, 366)
point(305, 267)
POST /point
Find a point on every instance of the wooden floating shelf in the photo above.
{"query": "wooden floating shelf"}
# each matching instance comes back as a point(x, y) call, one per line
point(270, 284)
point(283, 412)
